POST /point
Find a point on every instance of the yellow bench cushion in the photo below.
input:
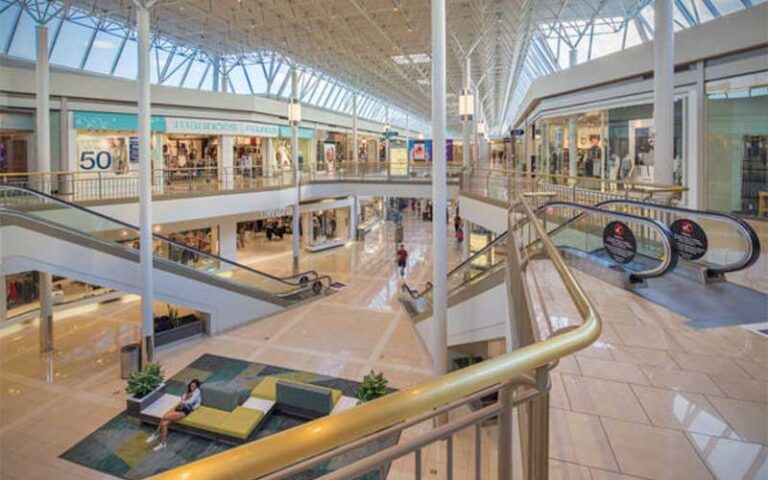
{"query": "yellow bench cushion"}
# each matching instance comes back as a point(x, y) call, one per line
point(240, 422)
point(206, 418)
point(266, 389)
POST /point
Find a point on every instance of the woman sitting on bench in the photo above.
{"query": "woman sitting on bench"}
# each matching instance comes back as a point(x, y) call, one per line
point(189, 403)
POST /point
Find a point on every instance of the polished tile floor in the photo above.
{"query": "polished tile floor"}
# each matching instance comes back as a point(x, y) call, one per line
point(653, 399)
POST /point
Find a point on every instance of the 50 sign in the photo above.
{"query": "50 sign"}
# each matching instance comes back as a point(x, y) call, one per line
point(100, 160)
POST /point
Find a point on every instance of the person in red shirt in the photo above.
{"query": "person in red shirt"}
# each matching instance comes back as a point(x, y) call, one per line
point(402, 259)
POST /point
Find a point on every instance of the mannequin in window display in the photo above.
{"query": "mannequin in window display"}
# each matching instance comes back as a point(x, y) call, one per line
point(283, 157)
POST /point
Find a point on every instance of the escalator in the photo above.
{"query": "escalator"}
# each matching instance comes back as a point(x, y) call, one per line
point(477, 296)
point(712, 247)
point(41, 232)
point(672, 256)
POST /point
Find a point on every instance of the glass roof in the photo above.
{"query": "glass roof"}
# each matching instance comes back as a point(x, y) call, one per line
point(551, 43)
point(82, 42)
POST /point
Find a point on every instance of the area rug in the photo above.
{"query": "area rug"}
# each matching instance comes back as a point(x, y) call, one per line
point(119, 447)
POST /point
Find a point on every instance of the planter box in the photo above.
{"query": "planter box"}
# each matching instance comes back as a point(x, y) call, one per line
point(191, 326)
point(134, 405)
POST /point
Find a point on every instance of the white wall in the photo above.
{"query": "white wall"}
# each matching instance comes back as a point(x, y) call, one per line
point(487, 215)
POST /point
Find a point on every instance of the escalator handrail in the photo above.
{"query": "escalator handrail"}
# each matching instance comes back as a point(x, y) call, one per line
point(415, 294)
point(165, 239)
point(669, 261)
point(113, 248)
point(752, 239)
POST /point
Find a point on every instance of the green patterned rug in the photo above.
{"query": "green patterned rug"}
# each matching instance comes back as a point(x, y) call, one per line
point(119, 448)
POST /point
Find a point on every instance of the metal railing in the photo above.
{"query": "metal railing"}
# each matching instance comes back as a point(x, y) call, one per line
point(37, 207)
point(89, 186)
point(518, 379)
point(503, 185)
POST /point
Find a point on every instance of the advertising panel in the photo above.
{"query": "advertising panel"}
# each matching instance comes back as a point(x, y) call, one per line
point(398, 161)
point(329, 156)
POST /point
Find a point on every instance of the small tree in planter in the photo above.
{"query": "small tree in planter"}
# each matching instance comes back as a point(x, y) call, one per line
point(173, 316)
point(374, 386)
point(144, 387)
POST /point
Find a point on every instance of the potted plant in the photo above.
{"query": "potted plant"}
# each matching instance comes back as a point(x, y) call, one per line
point(145, 386)
point(374, 385)
point(173, 327)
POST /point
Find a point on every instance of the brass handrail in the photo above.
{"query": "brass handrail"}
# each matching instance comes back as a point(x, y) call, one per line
point(280, 450)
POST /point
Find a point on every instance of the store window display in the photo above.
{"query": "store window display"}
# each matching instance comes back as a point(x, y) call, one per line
point(737, 145)
point(615, 144)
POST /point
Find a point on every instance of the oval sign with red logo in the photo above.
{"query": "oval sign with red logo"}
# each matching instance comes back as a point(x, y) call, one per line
point(690, 239)
point(619, 242)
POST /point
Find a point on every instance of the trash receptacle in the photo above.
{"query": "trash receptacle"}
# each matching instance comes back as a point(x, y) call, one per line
point(129, 359)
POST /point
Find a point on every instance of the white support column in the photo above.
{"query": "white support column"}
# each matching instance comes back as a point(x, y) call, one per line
point(228, 240)
point(43, 164)
point(466, 137)
point(268, 158)
point(353, 218)
point(466, 249)
point(43, 110)
point(296, 173)
point(355, 152)
point(573, 57)
point(572, 150)
point(226, 165)
point(145, 188)
point(439, 193)
point(3, 300)
point(663, 89)
point(46, 312)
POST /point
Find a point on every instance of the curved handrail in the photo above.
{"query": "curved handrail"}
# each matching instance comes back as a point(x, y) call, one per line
point(288, 447)
point(73, 235)
point(748, 233)
point(194, 250)
point(415, 294)
point(668, 262)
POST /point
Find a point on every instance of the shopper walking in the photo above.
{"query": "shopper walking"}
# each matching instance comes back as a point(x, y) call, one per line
point(402, 259)
point(459, 237)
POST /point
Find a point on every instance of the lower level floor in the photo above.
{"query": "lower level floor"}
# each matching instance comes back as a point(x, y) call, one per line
point(652, 399)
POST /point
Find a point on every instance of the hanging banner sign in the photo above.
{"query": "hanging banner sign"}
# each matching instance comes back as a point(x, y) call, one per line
point(122, 122)
point(219, 127)
point(619, 242)
point(690, 239)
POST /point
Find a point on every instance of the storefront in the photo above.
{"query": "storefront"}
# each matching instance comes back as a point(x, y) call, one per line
point(737, 145)
point(326, 224)
point(614, 143)
point(108, 142)
point(16, 141)
point(333, 150)
point(282, 148)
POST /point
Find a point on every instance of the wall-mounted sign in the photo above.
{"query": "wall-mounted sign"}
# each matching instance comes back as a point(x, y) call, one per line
point(121, 122)
point(220, 127)
point(690, 239)
point(303, 132)
point(619, 242)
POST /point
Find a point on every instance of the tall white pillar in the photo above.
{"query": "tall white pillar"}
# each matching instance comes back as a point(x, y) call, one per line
point(226, 165)
point(296, 173)
point(467, 120)
point(3, 299)
point(573, 162)
point(268, 159)
point(145, 188)
point(46, 312)
point(439, 193)
point(353, 218)
point(43, 165)
point(573, 57)
point(43, 110)
point(663, 90)
point(228, 240)
point(355, 148)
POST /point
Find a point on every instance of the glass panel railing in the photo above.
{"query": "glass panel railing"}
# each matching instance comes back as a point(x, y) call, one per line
point(717, 242)
point(467, 273)
point(63, 215)
point(638, 246)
